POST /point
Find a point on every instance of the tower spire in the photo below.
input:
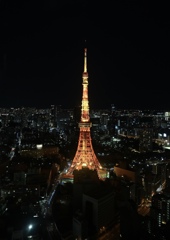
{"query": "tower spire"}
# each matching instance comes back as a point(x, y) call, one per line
point(85, 60)
point(85, 102)
point(85, 155)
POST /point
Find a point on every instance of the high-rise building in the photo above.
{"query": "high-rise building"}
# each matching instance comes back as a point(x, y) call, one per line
point(85, 155)
point(159, 219)
point(145, 140)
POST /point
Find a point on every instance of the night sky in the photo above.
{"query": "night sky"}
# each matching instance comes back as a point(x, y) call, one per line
point(42, 46)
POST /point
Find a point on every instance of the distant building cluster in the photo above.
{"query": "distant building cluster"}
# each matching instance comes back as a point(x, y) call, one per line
point(132, 145)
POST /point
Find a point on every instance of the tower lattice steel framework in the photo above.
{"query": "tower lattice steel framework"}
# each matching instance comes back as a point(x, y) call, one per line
point(85, 155)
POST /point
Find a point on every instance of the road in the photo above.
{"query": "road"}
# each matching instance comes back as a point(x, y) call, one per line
point(112, 234)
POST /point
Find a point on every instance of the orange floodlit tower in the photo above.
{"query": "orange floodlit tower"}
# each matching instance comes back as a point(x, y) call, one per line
point(85, 155)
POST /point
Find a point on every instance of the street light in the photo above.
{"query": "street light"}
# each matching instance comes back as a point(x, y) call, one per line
point(30, 227)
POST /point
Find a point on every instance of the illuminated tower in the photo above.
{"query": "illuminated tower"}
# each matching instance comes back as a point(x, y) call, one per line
point(85, 156)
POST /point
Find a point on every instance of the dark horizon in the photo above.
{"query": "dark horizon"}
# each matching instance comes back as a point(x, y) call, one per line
point(127, 54)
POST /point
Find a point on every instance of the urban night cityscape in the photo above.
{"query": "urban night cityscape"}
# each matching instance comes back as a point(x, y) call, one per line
point(84, 120)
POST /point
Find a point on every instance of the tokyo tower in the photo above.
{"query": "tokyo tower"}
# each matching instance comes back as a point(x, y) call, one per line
point(85, 155)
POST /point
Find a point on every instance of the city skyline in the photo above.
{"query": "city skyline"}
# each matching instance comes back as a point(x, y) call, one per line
point(128, 54)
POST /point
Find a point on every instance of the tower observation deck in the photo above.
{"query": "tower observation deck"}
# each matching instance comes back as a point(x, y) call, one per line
point(85, 155)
